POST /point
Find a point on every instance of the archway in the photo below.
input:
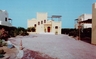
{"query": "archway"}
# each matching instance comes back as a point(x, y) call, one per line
point(48, 29)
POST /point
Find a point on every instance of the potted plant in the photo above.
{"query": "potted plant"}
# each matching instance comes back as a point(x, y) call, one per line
point(56, 32)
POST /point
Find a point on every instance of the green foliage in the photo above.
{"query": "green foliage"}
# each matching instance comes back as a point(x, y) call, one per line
point(2, 43)
point(13, 33)
point(31, 29)
point(73, 33)
point(67, 30)
point(3, 34)
point(85, 34)
point(21, 31)
point(18, 31)
point(56, 32)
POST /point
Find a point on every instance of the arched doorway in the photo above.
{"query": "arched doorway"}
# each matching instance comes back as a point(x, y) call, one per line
point(48, 29)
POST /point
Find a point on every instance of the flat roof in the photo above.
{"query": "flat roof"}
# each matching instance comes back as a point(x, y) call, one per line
point(56, 16)
point(86, 21)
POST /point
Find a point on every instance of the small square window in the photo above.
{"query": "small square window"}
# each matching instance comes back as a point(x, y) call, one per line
point(38, 23)
point(56, 27)
point(44, 21)
point(34, 25)
point(5, 19)
point(41, 22)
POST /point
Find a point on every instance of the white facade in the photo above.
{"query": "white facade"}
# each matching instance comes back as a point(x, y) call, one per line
point(4, 20)
point(82, 18)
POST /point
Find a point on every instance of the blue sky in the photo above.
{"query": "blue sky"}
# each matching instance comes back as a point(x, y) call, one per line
point(21, 10)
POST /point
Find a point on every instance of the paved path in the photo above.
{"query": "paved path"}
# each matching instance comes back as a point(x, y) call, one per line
point(59, 46)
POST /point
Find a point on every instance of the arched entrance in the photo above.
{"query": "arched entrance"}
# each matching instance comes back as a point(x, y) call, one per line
point(48, 29)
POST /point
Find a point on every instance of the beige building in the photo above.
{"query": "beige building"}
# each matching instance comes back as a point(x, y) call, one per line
point(43, 25)
point(94, 24)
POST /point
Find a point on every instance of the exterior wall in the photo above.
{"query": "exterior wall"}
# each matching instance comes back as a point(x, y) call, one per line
point(87, 16)
point(3, 15)
point(76, 25)
point(82, 18)
point(49, 22)
point(32, 22)
point(94, 24)
point(87, 25)
point(42, 28)
point(41, 17)
point(56, 24)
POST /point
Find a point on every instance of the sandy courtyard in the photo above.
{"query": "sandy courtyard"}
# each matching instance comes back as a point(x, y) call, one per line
point(58, 46)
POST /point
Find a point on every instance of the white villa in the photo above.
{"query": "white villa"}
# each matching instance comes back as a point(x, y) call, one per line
point(83, 17)
point(43, 25)
point(4, 20)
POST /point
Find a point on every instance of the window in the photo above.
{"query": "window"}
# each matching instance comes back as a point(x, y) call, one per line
point(56, 27)
point(41, 22)
point(44, 21)
point(38, 23)
point(6, 19)
point(34, 25)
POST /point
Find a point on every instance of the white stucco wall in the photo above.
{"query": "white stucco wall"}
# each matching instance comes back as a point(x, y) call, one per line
point(31, 22)
point(82, 18)
point(87, 25)
point(3, 15)
point(87, 16)
point(56, 24)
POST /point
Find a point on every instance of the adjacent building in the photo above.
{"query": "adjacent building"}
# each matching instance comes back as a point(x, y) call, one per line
point(83, 17)
point(43, 25)
point(4, 19)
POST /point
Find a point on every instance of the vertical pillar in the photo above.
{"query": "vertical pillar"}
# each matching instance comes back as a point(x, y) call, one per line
point(93, 41)
point(79, 28)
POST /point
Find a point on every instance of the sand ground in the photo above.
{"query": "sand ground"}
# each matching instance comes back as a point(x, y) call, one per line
point(57, 46)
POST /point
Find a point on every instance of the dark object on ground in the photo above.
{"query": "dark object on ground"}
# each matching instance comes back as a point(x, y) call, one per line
point(2, 51)
point(86, 39)
point(1, 55)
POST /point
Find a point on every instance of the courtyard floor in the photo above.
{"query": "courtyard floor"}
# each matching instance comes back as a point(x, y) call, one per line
point(50, 46)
